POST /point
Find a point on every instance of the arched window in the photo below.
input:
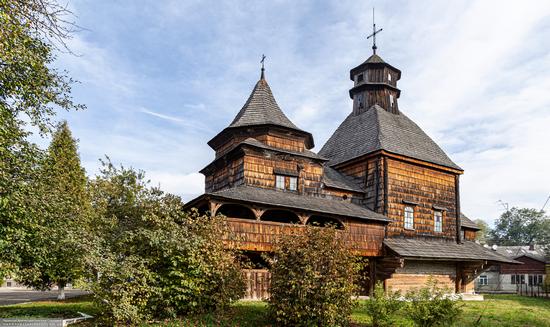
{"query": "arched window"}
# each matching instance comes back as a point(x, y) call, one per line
point(409, 218)
point(281, 216)
point(324, 221)
point(236, 211)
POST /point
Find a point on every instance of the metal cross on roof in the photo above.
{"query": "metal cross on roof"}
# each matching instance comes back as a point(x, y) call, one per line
point(374, 32)
point(262, 61)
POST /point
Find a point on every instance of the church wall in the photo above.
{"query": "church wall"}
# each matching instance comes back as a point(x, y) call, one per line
point(426, 187)
point(268, 137)
point(259, 170)
point(364, 237)
point(415, 274)
point(343, 195)
point(232, 174)
point(370, 174)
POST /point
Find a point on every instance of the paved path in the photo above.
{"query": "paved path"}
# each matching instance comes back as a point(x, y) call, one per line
point(20, 295)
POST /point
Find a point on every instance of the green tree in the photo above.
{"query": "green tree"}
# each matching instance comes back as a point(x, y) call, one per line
point(152, 259)
point(313, 278)
point(483, 234)
point(56, 252)
point(30, 90)
point(521, 226)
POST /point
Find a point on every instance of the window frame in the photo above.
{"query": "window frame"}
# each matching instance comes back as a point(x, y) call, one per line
point(408, 218)
point(278, 180)
point(440, 214)
point(292, 181)
point(483, 280)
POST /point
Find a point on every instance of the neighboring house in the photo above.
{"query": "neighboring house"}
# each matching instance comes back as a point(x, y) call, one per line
point(9, 282)
point(508, 278)
point(389, 188)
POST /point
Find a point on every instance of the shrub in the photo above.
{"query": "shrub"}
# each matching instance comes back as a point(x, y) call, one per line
point(433, 305)
point(313, 279)
point(382, 306)
point(150, 258)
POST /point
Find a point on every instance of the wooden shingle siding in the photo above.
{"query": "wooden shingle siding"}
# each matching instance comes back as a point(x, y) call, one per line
point(427, 188)
point(365, 238)
point(469, 234)
point(230, 175)
point(415, 274)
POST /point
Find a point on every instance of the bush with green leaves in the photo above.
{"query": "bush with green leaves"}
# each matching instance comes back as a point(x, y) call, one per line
point(382, 306)
point(313, 274)
point(151, 259)
point(432, 305)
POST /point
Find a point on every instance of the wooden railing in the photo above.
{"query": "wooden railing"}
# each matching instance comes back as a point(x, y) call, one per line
point(254, 235)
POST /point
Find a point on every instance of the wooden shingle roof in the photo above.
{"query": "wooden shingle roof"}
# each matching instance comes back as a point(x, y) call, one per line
point(466, 222)
point(296, 201)
point(261, 109)
point(443, 250)
point(377, 129)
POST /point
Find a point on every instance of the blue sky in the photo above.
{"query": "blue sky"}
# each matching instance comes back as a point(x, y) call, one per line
point(160, 78)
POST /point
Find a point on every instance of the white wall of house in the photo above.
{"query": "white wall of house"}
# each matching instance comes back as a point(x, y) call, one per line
point(497, 282)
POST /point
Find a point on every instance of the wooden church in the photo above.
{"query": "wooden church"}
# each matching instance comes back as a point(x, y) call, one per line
point(390, 189)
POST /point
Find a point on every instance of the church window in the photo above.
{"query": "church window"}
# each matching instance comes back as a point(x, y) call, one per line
point(409, 218)
point(483, 280)
point(293, 183)
point(391, 100)
point(360, 78)
point(280, 182)
point(438, 221)
point(389, 77)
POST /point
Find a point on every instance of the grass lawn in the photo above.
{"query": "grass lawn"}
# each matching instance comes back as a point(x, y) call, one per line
point(496, 310)
point(50, 309)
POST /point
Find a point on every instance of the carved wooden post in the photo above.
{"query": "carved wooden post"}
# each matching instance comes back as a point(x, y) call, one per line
point(258, 212)
point(303, 217)
point(214, 206)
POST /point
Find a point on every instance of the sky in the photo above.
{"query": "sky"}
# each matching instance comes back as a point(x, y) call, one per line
point(161, 78)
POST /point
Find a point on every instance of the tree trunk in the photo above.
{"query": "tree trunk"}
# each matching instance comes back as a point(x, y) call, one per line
point(61, 289)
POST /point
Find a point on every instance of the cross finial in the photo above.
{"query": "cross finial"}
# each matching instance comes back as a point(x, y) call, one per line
point(373, 35)
point(263, 68)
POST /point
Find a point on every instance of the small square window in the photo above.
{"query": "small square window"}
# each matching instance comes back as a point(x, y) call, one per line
point(293, 183)
point(483, 280)
point(409, 218)
point(438, 221)
point(280, 182)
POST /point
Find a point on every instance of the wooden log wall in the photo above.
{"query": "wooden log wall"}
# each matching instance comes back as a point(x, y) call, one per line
point(253, 235)
point(415, 274)
point(426, 187)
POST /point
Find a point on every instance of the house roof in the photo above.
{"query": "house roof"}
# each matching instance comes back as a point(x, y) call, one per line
point(333, 178)
point(377, 129)
point(466, 222)
point(295, 201)
point(441, 249)
point(515, 252)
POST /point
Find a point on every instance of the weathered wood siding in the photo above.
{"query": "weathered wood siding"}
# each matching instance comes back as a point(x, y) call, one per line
point(469, 234)
point(232, 174)
point(529, 266)
point(415, 274)
point(427, 188)
point(253, 235)
point(370, 175)
point(259, 170)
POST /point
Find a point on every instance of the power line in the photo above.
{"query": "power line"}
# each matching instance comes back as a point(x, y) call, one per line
point(545, 203)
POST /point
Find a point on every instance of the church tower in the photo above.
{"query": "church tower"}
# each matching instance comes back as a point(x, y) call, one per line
point(375, 83)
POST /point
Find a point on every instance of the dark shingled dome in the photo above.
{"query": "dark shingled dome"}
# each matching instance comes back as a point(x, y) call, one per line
point(377, 129)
